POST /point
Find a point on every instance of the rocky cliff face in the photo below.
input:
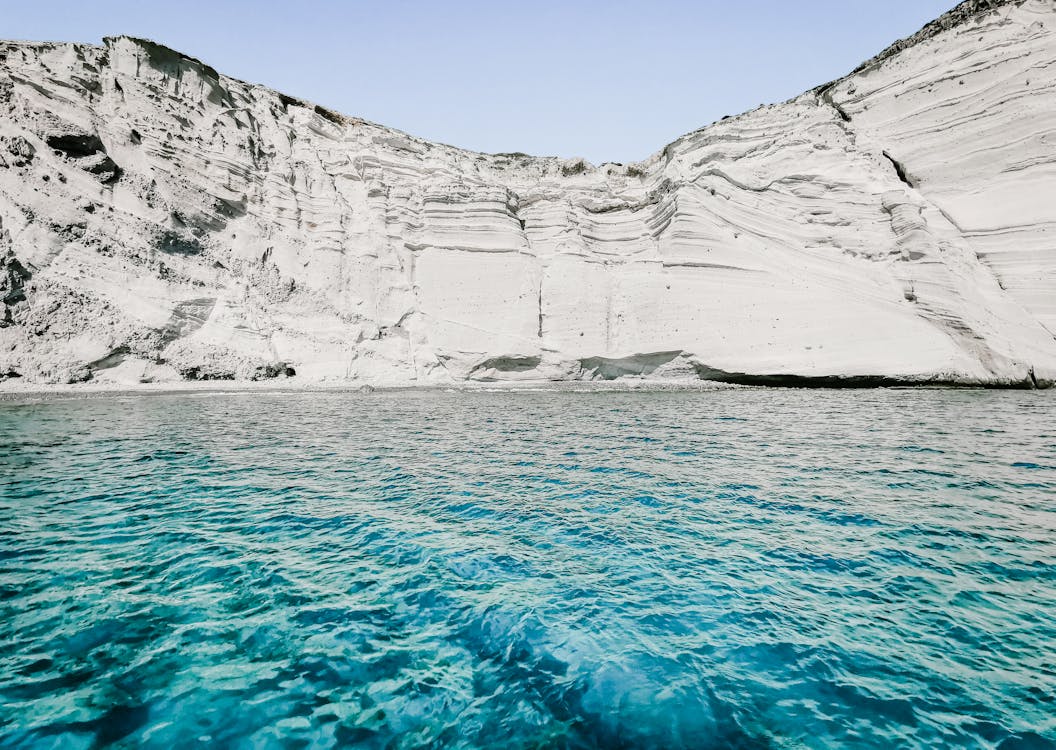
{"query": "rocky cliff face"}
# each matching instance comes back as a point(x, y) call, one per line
point(159, 220)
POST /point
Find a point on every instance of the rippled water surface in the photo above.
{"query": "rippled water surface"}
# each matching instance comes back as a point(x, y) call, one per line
point(735, 569)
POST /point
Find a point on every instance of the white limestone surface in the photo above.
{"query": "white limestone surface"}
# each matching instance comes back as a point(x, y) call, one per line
point(160, 221)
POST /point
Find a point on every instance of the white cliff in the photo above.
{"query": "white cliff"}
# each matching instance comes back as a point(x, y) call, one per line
point(159, 221)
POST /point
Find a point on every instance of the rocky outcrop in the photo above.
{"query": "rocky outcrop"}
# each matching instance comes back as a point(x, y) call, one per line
point(966, 12)
point(162, 221)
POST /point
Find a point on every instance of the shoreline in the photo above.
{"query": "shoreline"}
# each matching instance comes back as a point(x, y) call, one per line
point(22, 392)
point(37, 391)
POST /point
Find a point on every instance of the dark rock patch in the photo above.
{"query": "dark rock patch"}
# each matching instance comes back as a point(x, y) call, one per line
point(271, 370)
point(576, 167)
point(13, 278)
point(88, 152)
point(187, 317)
point(176, 244)
point(705, 372)
point(113, 359)
point(330, 115)
point(20, 149)
point(508, 364)
point(205, 372)
point(610, 368)
point(75, 145)
point(289, 101)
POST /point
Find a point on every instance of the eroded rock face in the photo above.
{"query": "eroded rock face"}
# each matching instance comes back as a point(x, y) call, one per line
point(896, 225)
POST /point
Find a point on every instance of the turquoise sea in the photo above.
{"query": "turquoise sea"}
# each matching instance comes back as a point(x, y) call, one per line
point(730, 569)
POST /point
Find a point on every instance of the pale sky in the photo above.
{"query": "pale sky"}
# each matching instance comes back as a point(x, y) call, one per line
point(608, 81)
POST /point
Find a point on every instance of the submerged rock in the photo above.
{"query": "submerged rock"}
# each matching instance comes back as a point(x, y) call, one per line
point(893, 226)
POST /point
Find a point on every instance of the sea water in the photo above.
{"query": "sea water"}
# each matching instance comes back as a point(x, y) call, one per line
point(731, 569)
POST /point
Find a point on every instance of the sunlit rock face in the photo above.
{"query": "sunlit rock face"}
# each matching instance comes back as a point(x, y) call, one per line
point(159, 221)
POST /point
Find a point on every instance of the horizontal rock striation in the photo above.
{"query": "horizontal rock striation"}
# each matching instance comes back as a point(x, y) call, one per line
point(160, 221)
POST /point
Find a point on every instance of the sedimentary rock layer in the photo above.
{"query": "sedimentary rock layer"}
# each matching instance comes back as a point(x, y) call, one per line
point(159, 220)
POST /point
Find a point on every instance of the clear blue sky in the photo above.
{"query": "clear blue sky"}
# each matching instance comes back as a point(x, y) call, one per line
point(609, 81)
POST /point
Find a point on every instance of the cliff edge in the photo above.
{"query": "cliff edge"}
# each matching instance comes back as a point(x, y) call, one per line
point(161, 221)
